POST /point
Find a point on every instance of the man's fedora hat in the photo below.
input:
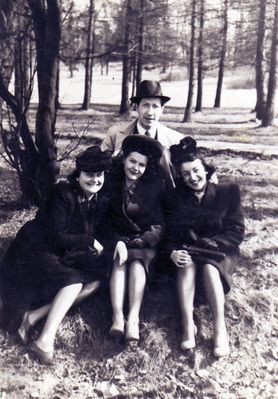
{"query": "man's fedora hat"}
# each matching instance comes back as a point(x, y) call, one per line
point(149, 89)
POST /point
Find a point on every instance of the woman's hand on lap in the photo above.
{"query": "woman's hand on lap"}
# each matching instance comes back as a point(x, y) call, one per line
point(121, 251)
point(98, 247)
point(180, 258)
point(137, 243)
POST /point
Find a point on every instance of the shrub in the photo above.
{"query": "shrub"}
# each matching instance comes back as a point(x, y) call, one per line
point(172, 76)
point(246, 82)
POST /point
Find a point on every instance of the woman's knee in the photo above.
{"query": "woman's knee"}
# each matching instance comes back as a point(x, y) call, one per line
point(70, 290)
point(188, 268)
point(137, 268)
point(94, 285)
point(211, 270)
point(116, 268)
point(136, 264)
point(211, 273)
point(74, 286)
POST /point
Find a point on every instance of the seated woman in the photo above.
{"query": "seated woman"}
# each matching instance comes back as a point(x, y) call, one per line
point(136, 223)
point(56, 259)
point(210, 217)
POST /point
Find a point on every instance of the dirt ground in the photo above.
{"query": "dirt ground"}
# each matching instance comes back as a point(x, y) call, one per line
point(89, 365)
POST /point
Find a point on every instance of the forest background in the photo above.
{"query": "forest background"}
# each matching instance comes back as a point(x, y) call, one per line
point(67, 70)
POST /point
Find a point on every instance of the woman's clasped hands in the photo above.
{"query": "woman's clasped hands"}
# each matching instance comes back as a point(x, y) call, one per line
point(181, 258)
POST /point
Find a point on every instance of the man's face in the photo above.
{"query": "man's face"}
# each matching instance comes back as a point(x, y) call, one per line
point(149, 111)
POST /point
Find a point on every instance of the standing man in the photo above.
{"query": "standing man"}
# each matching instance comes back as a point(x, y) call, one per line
point(150, 104)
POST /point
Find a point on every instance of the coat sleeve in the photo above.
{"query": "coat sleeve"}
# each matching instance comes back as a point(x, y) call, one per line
point(233, 223)
point(148, 223)
point(153, 235)
point(174, 234)
point(108, 144)
point(59, 211)
point(155, 231)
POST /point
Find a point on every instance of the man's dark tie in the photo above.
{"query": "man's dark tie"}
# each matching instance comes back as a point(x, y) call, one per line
point(147, 133)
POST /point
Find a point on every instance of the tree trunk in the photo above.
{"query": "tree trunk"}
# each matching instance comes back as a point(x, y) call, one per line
point(133, 74)
point(16, 51)
point(89, 59)
point(217, 100)
point(260, 105)
point(21, 60)
point(124, 107)
point(46, 20)
point(18, 71)
point(199, 100)
point(7, 23)
point(269, 112)
point(139, 65)
point(188, 108)
point(57, 99)
point(24, 158)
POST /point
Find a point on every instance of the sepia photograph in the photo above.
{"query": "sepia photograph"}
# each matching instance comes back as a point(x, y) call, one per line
point(139, 199)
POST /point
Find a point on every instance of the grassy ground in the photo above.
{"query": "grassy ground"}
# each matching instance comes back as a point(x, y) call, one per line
point(89, 365)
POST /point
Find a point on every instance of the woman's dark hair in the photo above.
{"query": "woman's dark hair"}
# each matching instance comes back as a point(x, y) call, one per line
point(146, 146)
point(153, 168)
point(187, 151)
point(92, 160)
point(73, 176)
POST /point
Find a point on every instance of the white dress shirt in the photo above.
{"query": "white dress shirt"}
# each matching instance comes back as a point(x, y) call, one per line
point(142, 130)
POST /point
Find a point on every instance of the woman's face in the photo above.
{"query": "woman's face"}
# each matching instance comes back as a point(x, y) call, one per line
point(134, 166)
point(194, 175)
point(90, 183)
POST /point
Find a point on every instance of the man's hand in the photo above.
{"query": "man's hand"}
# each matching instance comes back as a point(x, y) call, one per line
point(121, 251)
point(181, 258)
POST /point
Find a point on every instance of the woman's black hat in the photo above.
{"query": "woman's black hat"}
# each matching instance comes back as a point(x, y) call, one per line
point(93, 159)
point(144, 145)
point(149, 89)
point(185, 151)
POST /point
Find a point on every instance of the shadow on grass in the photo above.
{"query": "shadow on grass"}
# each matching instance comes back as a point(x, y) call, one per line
point(7, 206)
point(92, 320)
point(262, 252)
point(85, 140)
point(260, 213)
point(4, 243)
point(256, 181)
point(244, 154)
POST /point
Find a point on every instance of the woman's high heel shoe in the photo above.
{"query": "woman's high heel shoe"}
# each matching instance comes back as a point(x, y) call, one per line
point(187, 344)
point(132, 331)
point(221, 351)
point(23, 330)
point(118, 328)
point(222, 348)
point(43, 356)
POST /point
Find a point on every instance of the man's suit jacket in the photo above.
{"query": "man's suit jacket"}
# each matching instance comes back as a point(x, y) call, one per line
point(116, 134)
point(165, 136)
